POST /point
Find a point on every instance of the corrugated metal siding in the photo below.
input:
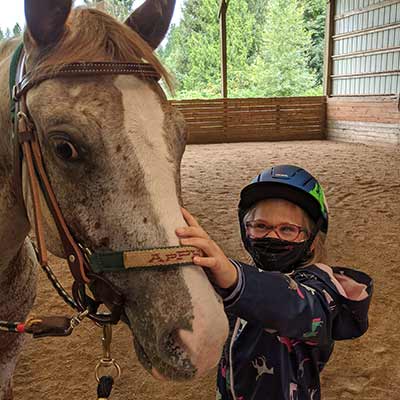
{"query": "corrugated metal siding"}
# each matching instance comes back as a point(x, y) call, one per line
point(366, 47)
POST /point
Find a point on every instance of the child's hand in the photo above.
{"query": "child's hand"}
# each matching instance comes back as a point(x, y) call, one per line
point(223, 272)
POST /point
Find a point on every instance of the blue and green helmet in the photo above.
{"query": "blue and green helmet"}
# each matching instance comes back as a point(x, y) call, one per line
point(291, 183)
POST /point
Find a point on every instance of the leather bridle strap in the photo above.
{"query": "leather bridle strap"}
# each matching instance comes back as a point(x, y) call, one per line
point(24, 137)
point(38, 180)
point(146, 71)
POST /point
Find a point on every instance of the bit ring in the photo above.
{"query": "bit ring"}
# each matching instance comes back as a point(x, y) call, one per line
point(107, 364)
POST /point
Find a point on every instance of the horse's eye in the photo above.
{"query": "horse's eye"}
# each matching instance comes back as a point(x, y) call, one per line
point(65, 150)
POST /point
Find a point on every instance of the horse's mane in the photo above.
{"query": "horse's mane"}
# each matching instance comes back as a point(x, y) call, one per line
point(93, 35)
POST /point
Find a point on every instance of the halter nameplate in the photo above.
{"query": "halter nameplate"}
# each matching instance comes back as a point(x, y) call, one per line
point(159, 257)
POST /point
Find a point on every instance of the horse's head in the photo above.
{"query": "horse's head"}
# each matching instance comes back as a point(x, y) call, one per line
point(112, 148)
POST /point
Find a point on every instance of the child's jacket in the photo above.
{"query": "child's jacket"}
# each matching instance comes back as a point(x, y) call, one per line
point(283, 329)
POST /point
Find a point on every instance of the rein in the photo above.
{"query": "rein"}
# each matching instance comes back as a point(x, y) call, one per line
point(86, 266)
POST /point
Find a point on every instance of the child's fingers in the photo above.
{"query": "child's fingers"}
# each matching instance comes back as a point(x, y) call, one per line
point(192, 231)
point(191, 221)
point(207, 262)
point(200, 243)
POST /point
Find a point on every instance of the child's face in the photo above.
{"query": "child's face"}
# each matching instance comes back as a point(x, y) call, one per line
point(274, 213)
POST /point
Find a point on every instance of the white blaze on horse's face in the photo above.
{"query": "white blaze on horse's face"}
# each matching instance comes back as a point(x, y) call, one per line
point(144, 125)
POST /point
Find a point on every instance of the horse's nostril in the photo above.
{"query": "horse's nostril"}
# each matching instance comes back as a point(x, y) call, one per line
point(173, 349)
point(170, 343)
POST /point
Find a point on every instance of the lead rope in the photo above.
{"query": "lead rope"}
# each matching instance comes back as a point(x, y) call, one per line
point(45, 326)
point(104, 387)
point(63, 326)
point(107, 370)
point(48, 326)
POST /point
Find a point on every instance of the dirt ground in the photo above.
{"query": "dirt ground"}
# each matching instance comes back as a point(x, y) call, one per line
point(362, 185)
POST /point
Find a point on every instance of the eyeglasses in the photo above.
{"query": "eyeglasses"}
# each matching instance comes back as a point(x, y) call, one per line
point(285, 231)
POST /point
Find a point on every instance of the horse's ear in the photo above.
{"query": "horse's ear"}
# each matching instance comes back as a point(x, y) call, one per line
point(151, 20)
point(45, 20)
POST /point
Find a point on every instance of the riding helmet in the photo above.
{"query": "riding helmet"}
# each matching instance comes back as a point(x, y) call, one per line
point(291, 183)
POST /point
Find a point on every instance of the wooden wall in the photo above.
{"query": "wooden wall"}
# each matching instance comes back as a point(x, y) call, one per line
point(266, 119)
point(371, 120)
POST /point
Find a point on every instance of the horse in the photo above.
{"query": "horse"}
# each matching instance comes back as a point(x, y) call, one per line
point(111, 146)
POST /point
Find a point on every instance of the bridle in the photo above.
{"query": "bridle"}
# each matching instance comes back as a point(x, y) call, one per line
point(86, 266)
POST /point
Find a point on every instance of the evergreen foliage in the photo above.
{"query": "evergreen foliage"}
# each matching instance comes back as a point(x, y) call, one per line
point(315, 15)
point(275, 48)
point(17, 31)
point(281, 67)
point(8, 33)
point(118, 8)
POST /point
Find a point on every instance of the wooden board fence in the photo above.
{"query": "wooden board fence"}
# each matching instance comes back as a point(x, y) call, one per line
point(364, 119)
point(255, 119)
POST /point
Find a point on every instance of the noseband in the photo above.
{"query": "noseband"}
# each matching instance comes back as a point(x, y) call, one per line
point(86, 266)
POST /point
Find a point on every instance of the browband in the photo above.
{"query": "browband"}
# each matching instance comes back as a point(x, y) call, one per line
point(86, 69)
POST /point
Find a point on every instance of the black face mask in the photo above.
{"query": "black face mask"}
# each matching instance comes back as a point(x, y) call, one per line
point(270, 254)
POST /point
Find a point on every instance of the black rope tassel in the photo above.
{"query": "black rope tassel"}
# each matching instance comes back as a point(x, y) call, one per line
point(104, 387)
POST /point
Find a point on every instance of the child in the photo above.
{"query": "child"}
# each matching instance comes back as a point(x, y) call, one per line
point(288, 309)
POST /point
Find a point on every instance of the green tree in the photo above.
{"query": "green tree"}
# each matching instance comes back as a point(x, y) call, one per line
point(258, 8)
point(17, 31)
point(8, 33)
point(199, 68)
point(281, 68)
point(275, 48)
point(314, 16)
point(174, 54)
point(193, 49)
point(120, 9)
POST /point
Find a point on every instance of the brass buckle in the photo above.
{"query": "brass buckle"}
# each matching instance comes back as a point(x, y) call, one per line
point(85, 251)
point(14, 93)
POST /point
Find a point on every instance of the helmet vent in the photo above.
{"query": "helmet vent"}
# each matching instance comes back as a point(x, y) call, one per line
point(307, 181)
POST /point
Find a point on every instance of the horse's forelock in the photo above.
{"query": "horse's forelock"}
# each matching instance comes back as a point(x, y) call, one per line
point(92, 35)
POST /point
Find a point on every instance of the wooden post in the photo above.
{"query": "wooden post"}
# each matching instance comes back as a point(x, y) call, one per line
point(329, 31)
point(224, 67)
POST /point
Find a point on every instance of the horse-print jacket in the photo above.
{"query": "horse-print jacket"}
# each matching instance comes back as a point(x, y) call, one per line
point(283, 328)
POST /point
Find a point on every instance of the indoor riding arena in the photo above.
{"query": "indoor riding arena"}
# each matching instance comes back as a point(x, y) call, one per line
point(349, 140)
point(362, 185)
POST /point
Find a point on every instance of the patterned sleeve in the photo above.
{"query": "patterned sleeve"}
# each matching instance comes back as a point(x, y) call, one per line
point(296, 308)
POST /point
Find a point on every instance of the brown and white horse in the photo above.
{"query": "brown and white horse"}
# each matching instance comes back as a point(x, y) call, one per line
point(112, 148)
